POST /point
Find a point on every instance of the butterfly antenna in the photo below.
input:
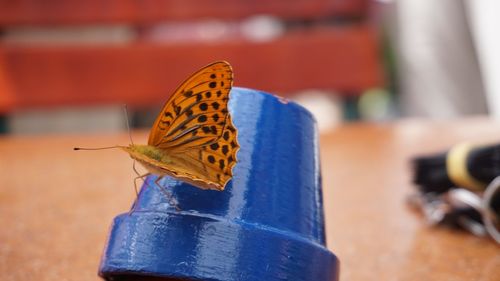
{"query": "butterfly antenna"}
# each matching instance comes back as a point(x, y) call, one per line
point(128, 124)
point(97, 148)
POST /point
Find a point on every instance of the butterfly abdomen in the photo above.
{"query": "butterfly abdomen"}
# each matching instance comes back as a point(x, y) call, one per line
point(152, 158)
point(150, 152)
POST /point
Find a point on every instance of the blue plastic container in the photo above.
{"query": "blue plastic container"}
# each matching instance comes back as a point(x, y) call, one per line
point(266, 225)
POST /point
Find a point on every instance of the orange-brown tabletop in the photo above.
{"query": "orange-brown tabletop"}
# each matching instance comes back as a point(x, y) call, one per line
point(56, 204)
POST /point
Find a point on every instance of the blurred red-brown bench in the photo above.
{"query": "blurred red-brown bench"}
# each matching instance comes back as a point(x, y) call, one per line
point(341, 57)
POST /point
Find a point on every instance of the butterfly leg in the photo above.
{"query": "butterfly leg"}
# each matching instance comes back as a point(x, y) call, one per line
point(135, 183)
point(167, 194)
point(139, 176)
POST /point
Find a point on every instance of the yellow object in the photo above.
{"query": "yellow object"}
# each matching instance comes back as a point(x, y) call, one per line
point(456, 167)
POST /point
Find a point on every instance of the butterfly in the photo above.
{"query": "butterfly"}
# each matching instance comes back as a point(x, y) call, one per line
point(193, 138)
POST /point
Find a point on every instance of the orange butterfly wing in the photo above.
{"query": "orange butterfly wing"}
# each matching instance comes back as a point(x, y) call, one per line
point(196, 131)
point(196, 113)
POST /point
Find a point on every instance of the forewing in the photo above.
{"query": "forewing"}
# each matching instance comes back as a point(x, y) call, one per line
point(197, 113)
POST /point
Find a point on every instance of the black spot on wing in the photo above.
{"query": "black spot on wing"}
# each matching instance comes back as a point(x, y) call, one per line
point(233, 144)
point(202, 118)
point(177, 110)
point(211, 159)
point(213, 129)
point(203, 106)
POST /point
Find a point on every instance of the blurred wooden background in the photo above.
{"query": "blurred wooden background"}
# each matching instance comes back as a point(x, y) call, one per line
point(322, 44)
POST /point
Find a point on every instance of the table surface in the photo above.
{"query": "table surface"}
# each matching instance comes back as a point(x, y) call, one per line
point(56, 205)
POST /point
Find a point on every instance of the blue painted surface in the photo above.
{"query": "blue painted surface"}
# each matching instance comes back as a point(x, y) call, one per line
point(266, 225)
